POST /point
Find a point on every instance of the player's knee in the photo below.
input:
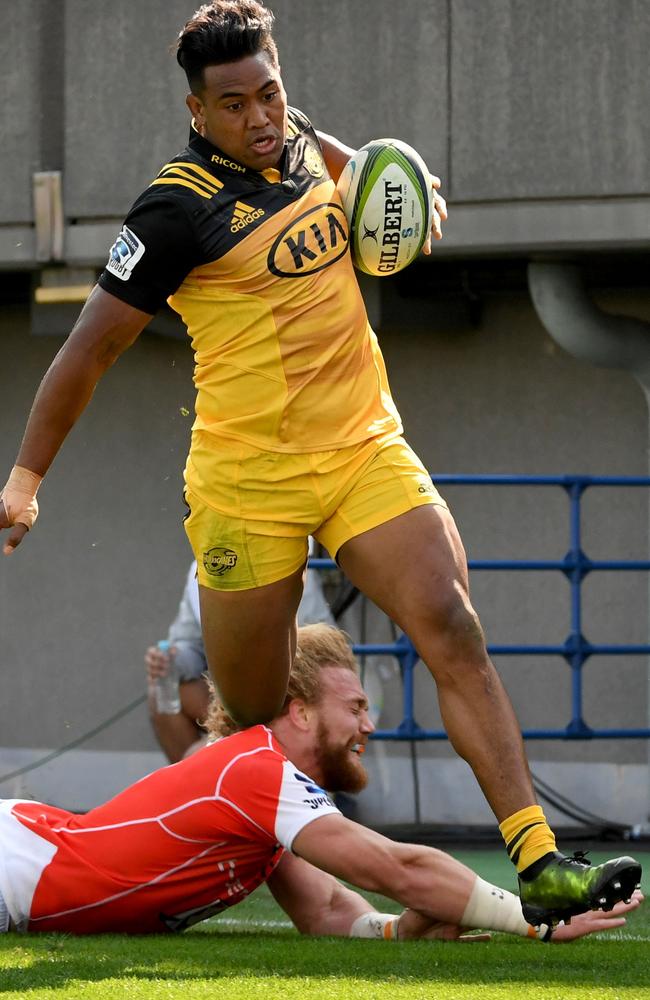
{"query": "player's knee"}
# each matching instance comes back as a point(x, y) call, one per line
point(450, 635)
point(253, 712)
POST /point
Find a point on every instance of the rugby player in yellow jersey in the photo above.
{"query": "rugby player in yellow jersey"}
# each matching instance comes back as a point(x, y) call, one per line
point(295, 432)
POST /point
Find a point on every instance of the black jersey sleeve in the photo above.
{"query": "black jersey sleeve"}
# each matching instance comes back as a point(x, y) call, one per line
point(155, 250)
point(298, 120)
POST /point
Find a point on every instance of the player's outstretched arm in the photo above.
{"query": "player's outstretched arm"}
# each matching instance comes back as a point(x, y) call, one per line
point(105, 328)
point(442, 896)
point(318, 904)
point(420, 878)
point(415, 926)
point(315, 901)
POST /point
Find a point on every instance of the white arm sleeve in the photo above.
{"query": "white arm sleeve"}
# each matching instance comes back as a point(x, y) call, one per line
point(300, 802)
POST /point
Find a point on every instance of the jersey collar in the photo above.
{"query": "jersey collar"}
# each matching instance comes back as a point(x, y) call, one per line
point(218, 160)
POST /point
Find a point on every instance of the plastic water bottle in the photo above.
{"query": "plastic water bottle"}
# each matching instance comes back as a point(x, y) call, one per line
point(168, 697)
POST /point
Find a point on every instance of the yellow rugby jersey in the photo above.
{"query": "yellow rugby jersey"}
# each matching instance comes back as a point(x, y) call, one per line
point(257, 265)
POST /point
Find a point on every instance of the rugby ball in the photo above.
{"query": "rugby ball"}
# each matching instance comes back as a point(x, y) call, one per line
point(386, 193)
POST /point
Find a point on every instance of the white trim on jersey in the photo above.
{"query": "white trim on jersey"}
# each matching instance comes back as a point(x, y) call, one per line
point(247, 753)
point(142, 821)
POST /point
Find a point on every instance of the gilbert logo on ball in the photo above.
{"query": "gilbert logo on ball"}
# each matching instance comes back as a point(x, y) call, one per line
point(386, 193)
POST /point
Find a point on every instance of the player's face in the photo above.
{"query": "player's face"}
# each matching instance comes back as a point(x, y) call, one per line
point(243, 110)
point(342, 732)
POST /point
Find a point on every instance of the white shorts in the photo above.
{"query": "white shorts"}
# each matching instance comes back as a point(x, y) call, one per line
point(4, 915)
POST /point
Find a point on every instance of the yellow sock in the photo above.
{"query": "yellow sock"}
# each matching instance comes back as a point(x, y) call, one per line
point(528, 836)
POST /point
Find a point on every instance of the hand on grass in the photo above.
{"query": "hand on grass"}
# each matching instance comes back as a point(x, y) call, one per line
point(594, 921)
point(415, 926)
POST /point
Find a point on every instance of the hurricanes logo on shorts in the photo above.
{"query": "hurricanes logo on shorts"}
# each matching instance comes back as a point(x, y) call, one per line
point(218, 561)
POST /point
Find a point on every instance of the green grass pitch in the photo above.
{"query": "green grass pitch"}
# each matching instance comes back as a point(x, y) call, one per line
point(252, 953)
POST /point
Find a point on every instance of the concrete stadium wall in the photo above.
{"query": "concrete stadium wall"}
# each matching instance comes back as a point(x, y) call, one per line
point(536, 118)
point(101, 576)
point(19, 116)
point(527, 111)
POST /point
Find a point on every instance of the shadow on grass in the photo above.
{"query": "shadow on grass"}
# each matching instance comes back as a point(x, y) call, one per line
point(57, 960)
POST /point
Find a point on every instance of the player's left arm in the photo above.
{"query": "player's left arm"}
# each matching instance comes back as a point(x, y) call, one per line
point(416, 926)
point(318, 904)
point(336, 155)
point(313, 900)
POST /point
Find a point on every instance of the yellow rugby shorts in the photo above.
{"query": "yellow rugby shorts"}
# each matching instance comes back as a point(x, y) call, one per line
point(248, 523)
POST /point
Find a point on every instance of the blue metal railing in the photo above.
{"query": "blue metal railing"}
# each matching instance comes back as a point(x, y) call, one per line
point(576, 649)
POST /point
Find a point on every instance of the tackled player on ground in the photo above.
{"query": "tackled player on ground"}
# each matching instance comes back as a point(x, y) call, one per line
point(197, 837)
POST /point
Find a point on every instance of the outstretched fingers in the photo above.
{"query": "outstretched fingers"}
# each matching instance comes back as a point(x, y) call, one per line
point(15, 536)
point(594, 921)
point(439, 214)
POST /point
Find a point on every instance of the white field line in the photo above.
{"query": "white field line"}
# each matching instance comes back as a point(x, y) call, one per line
point(250, 924)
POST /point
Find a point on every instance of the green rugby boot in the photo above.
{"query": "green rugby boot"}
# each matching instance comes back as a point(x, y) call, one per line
point(557, 887)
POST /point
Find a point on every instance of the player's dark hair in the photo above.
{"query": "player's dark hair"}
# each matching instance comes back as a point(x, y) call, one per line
point(318, 646)
point(224, 31)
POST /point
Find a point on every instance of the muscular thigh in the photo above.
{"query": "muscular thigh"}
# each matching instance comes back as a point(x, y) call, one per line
point(392, 482)
point(195, 697)
point(250, 638)
point(409, 565)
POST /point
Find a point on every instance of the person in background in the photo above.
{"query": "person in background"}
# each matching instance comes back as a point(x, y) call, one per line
point(182, 733)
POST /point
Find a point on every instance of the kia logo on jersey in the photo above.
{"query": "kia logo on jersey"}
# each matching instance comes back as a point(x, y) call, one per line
point(310, 243)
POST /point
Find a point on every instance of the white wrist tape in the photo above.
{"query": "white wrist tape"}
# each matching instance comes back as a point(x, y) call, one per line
point(19, 496)
point(494, 909)
point(375, 925)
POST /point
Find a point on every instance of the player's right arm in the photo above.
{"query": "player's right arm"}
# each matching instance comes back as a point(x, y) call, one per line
point(105, 328)
point(155, 250)
point(441, 895)
point(420, 878)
